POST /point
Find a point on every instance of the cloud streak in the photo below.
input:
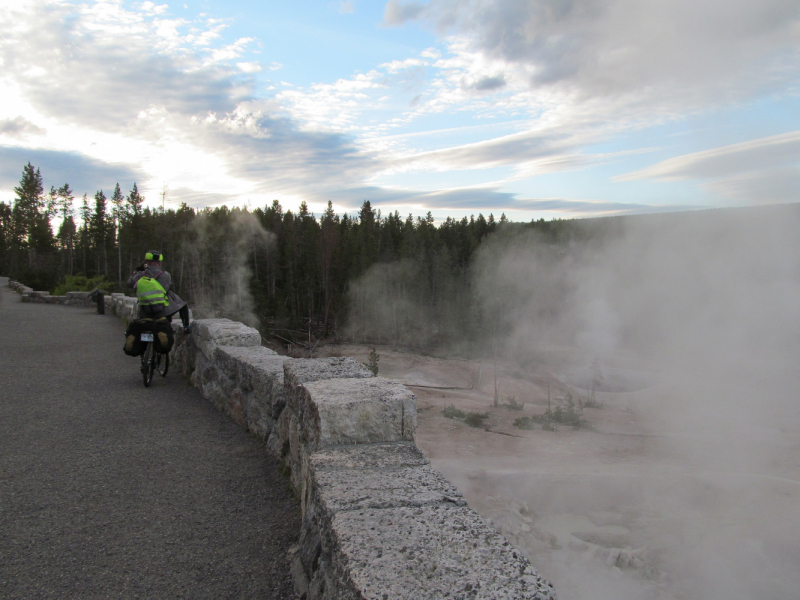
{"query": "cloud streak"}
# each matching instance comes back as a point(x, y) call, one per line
point(776, 150)
point(765, 170)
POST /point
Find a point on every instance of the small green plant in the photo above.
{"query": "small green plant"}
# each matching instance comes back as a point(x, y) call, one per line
point(512, 404)
point(372, 362)
point(475, 419)
point(451, 412)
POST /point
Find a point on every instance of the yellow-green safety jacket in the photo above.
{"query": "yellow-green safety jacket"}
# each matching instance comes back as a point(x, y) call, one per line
point(151, 293)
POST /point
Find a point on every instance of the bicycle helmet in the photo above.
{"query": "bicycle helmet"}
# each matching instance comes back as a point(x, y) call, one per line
point(154, 255)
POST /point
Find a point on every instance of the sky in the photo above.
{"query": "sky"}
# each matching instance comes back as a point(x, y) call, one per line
point(528, 108)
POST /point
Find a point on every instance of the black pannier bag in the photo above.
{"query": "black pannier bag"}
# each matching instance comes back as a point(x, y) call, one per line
point(133, 344)
point(163, 336)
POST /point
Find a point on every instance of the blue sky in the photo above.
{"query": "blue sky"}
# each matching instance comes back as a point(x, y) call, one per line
point(535, 108)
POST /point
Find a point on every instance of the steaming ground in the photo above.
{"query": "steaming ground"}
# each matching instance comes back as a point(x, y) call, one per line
point(694, 502)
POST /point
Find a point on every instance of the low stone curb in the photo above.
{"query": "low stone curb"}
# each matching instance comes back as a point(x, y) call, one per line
point(378, 521)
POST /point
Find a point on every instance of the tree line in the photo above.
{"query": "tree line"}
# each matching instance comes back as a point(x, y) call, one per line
point(365, 277)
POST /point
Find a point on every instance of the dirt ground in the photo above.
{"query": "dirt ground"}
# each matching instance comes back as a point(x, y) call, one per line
point(619, 509)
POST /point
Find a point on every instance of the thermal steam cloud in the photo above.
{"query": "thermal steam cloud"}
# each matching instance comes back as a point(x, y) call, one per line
point(219, 253)
point(704, 305)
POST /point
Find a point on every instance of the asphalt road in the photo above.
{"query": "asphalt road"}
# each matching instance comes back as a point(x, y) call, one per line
point(109, 489)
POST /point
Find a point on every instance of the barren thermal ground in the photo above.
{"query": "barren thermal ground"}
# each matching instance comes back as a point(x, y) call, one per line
point(657, 495)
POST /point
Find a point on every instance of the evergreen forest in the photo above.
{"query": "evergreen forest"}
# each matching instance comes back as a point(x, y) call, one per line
point(296, 275)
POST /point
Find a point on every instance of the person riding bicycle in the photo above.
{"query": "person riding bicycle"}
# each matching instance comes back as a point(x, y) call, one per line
point(153, 292)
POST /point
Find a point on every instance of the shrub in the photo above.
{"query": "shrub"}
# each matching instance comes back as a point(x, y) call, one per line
point(451, 412)
point(475, 419)
point(524, 423)
point(512, 404)
point(551, 419)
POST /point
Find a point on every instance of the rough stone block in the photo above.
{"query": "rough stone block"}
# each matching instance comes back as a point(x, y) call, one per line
point(183, 353)
point(430, 552)
point(355, 411)
point(382, 456)
point(299, 371)
point(210, 333)
point(259, 374)
point(377, 476)
point(255, 377)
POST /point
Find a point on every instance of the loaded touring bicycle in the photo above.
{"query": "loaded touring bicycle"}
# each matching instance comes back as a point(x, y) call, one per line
point(152, 340)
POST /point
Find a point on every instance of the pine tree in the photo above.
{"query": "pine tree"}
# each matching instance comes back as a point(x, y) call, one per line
point(66, 238)
point(67, 230)
point(117, 212)
point(5, 236)
point(134, 225)
point(328, 246)
point(99, 229)
point(28, 206)
point(85, 232)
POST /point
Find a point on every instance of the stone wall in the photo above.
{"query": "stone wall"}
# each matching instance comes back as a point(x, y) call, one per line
point(378, 522)
point(118, 304)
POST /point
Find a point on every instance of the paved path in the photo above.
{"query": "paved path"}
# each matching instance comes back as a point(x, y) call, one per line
point(112, 490)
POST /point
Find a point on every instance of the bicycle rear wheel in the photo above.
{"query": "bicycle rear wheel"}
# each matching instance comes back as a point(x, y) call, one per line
point(148, 364)
point(166, 365)
point(159, 357)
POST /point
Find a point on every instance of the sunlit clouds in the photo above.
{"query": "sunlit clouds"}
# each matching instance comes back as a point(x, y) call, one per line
point(541, 108)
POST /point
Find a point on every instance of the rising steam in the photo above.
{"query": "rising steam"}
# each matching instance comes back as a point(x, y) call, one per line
point(222, 254)
point(701, 309)
point(707, 305)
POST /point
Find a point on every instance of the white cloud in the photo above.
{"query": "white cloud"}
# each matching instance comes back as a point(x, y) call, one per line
point(229, 52)
point(335, 106)
point(399, 65)
point(152, 8)
point(347, 7)
point(249, 67)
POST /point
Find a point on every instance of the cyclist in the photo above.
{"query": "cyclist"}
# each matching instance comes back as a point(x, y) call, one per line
point(156, 299)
